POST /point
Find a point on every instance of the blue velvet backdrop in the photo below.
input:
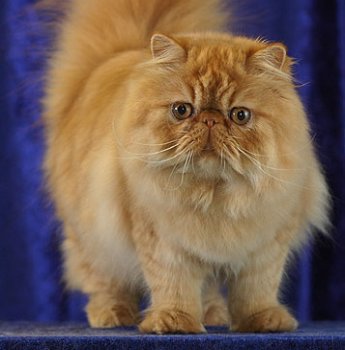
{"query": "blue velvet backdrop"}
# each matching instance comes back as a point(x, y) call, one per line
point(30, 265)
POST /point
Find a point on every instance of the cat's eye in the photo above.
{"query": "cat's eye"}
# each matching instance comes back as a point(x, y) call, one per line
point(240, 115)
point(182, 110)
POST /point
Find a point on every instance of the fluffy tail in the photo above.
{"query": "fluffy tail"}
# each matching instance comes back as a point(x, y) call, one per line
point(94, 30)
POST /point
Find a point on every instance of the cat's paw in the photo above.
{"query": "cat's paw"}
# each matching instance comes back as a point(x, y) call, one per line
point(170, 321)
point(275, 319)
point(216, 314)
point(110, 316)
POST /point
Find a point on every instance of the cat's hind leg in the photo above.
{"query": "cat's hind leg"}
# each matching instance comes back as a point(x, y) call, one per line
point(111, 301)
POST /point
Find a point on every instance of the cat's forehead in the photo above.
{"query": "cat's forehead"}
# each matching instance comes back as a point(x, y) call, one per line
point(214, 73)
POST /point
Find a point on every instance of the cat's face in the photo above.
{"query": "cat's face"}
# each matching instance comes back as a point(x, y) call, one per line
point(216, 107)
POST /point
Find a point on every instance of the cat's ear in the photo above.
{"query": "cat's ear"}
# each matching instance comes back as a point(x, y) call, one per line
point(272, 57)
point(167, 49)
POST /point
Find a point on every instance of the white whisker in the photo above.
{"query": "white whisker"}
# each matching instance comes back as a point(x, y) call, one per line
point(260, 166)
point(171, 175)
point(155, 144)
point(194, 172)
point(121, 145)
point(159, 152)
point(222, 161)
point(163, 161)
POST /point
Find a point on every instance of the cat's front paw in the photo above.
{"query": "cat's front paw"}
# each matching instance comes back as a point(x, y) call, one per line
point(110, 316)
point(170, 321)
point(274, 319)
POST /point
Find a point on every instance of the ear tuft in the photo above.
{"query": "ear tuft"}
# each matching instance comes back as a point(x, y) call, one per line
point(167, 49)
point(274, 55)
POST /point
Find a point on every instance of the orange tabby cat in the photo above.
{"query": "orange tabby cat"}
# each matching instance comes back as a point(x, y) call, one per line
point(177, 154)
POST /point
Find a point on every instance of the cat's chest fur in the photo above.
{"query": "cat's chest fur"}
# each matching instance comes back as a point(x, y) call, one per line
point(211, 220)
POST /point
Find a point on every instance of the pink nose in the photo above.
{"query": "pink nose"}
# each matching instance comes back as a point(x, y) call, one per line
point(209, 121)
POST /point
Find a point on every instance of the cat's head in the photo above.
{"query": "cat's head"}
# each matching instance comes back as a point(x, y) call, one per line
point(216, 106)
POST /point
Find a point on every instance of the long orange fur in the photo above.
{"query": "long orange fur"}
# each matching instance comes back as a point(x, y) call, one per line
point(152, 204)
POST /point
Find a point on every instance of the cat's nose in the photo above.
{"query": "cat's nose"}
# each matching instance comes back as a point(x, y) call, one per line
point(210, 118)
point(209, 122)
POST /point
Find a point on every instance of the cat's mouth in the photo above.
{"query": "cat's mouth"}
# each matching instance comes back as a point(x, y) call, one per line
point(208, 146)
point(212, 141)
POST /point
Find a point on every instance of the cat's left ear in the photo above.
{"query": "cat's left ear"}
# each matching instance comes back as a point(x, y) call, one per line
point(272, 57)
point(166, 49)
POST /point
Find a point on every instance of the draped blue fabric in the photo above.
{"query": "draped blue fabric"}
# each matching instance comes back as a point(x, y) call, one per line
point(31, 285)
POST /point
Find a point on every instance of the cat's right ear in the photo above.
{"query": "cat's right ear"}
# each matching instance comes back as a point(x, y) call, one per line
point(167, 50)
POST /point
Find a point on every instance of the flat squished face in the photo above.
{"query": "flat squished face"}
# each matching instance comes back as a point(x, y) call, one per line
point(219, 107)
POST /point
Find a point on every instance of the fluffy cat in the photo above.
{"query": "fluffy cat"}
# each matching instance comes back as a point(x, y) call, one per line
point(177, 154)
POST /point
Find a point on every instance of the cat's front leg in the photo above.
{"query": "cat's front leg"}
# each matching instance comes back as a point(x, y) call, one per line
point(175, 286)
point(253, 293)
point(174, 281)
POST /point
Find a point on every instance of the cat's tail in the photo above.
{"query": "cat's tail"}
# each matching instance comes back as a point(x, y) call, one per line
point(97, 28)
point(124, 23)
point(91, 31)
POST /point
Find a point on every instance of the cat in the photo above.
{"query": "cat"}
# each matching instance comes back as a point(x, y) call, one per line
point(177, 155)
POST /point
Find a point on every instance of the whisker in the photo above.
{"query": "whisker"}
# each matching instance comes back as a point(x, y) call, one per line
point(167, 159)
point(186, 164)
point(120, 144)
point(150, 153)
point(159, 152)
point(281, 154)
point(182, 175)
point(226, 151)
point(222, 161)
point(150, 161)
point(264, 165)
point(155, 144)
point(192, 156)
point(236, 145)
point(259, 166)
point(170, 177)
